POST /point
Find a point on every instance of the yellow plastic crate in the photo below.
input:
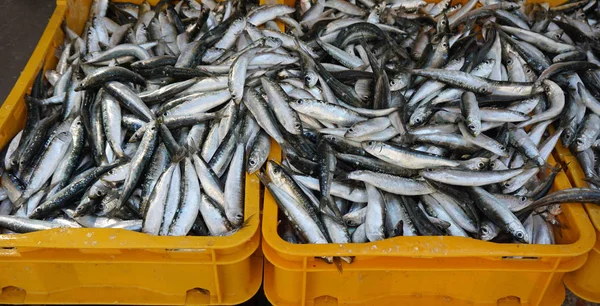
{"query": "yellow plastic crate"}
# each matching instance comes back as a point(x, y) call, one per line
point(110, 266)
point(584, 282)
point(425, 270)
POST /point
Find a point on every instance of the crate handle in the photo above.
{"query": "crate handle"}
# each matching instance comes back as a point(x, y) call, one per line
point(13, 295)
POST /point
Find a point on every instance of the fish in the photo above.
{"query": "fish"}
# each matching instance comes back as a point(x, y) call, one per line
point(387, 128)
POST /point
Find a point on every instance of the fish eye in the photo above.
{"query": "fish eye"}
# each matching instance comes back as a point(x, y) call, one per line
point(509, 62)
point(523, 199)
point(299, 101)
point(392, 82)
point(371, 143)
point(153, 128)
point(429, 169)
point(297, 125)
point(351, 130)
point(506, 184)
point(503, 148)
point(78, 122)
point(484, 230)
point(493, 164)
point(520, 235)
point(579, 142)
point(528, 70)
point(252, 162)
point(558, 36)
point(445, 45)
point(472, 126)
point(418, 120)
point(481, 165)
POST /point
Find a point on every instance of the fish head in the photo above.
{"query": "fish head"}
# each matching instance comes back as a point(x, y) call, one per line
point(477, 163)
point(497, 165)
point(508, 186)
point(484, 67)
point(581, 143)
point(274, 171)
point(525, 201)
point(567, 136)
point(474, 126)
point(372, 146)
point(511, 6)
point(518, 232)
point(253, 163)
point(273, 42)
point(488, 231)
point(63, 137)
point(373, 17)
point(399, 81)
point(419, 117)
point(311, 78)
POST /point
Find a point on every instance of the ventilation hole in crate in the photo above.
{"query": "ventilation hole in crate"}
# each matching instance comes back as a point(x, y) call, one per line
point(520, 257)
point(197, 296)
point(325, 300)
point(12, 294)
point(509, 300)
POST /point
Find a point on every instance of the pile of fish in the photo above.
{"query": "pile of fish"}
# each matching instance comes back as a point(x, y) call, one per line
point(126, 133)
point(426, 119)
point(395, 118)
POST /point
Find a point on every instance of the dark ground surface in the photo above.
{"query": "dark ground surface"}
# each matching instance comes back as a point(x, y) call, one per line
point(23, 22)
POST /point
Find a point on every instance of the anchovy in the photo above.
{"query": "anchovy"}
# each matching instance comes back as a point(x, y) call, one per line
point(152, 118)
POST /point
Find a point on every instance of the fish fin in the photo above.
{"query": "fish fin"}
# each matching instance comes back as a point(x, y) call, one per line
point(220, 114)
point(399, 228)
point(191, 147)
point(593, 180)
point(17, 204)
point(322, 204)
point(531, 164)
point(328, 202)
point(246, 222)
point(338, 264)
point(262, 178)
point(180, 154)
